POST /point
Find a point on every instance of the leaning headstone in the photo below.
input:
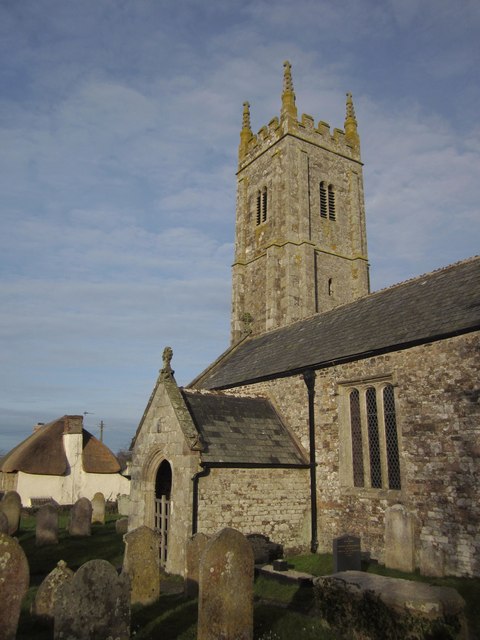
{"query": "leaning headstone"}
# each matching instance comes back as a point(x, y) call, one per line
point(225, 603)
point(193, 553)
point(93, 605)
point(98, 508)
point(141, 562)
point(121, 526)
point(44, 604)
point(11, 505)
point(14, 579)
point(399, 539)
point(81, 518)
point(346, 554)
point(3, 523)
point(46, 528)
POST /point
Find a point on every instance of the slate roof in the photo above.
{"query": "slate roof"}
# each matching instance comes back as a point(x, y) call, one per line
point(43, 453)
point(437, 305)
point(242, 431)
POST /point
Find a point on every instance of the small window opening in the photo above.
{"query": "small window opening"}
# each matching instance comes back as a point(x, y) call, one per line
point(330, 287)
point(259, 208)
point(323, 200)
point(331, 202)
point(264, 205)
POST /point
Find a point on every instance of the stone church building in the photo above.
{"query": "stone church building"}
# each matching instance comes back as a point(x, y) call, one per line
point(335, 410)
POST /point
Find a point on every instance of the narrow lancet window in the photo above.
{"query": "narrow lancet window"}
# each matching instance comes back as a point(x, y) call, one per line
point(259, 208)
point(357, 447)
point(391, 438)
point(373, 439)
point(264, 205)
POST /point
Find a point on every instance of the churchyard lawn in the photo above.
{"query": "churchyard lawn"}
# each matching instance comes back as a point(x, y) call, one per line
point(281, 610)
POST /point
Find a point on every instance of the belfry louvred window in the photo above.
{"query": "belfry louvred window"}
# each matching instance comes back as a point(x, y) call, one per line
point(262, 206)
point(374, 437)
point(323, 200)
point(327, 201)
point(331, 202)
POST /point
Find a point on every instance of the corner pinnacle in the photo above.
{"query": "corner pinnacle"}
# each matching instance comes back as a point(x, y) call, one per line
point(351, 132)
point(246, 132)
point(289, 109)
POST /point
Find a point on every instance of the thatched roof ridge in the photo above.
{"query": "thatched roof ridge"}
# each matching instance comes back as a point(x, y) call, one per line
point(43, 452)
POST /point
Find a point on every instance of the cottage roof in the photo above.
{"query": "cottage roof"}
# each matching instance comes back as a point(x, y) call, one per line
point(43, 452)
point(241, 430)
point(437, 305)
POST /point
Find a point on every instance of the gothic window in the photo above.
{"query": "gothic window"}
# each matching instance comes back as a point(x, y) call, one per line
point(357, 446)
point(375, 456)
point(262, 206)
point(327, 201)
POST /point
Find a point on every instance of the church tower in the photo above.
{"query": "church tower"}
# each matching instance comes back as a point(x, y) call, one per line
point(300, 240)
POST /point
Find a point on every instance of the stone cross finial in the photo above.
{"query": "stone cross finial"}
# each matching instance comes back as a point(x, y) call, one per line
point(167, 358)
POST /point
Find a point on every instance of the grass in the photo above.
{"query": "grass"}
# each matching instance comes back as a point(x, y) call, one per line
point(281, 611)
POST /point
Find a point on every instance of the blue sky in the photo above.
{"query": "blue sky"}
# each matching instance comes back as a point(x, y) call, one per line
point(119, 125)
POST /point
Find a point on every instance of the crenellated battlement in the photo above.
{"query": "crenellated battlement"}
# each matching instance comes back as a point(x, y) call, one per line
point(300, 243)
point(344, 142)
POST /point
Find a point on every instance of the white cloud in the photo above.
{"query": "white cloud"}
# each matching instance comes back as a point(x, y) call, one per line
point(120, 128)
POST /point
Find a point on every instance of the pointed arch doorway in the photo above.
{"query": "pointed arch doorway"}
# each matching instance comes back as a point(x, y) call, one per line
point(163, 489)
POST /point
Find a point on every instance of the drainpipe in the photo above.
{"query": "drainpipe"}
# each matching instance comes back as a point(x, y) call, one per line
point(309, 379)
point(195, 479)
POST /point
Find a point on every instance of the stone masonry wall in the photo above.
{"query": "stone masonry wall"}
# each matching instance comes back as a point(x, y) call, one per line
point(276, 279)
point(161, 438)
point(438, 420)
point(273, 502)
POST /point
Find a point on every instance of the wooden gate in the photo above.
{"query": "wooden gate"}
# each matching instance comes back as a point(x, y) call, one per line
point(162, 516)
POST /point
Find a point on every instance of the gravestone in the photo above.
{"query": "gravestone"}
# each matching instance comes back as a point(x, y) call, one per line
point(44, 604)
point(93, 605)
point(346, 554)
point(81, 518)
point(3, 523)
point(98, 508)
point(193, 553)
point(264, 550)
point(11, 505)
point(46, 528)
point(399, 539)
point(141, 562)
point(121, 526)
point(14, 579)
point(123, 504)
point(432, 560)
point(225, 603)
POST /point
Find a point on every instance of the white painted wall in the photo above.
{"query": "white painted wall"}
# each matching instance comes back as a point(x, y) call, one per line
point(75, 484)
